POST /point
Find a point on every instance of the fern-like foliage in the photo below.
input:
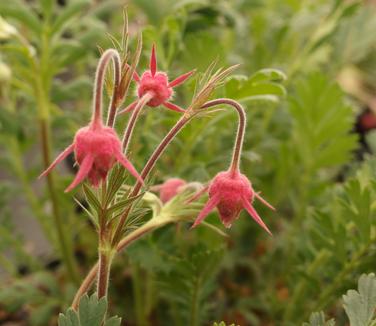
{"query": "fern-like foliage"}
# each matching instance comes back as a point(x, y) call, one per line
point(189, 284)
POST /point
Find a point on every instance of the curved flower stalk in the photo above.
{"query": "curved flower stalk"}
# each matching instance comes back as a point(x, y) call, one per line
point(96, 146)
point(230, 191)
point(133, 119)
point(156, 82)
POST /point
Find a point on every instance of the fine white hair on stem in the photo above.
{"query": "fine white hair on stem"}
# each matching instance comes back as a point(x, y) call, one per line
point(99, 82)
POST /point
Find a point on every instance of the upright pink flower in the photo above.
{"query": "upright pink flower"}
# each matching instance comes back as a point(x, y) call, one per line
point(230, 191)
point(156, 83)
point(96, 147)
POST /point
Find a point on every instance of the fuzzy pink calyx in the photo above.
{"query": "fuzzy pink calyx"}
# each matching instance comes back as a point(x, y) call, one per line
point(96, 150)
point(157, 85)
point(103, 145)
point(231, 189)
point(230, 192)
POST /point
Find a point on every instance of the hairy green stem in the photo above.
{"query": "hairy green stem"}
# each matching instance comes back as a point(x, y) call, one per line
point(138, 280)
point(131, 237)
point(195, 304)
point(105, 259)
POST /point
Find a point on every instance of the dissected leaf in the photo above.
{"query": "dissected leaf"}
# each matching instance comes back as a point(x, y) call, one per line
point(360, 305)
point(90, 312)
point(318, 319)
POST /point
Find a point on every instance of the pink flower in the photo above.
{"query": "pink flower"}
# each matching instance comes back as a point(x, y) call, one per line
point(230, 191)
point(156, 83)
point(170, 188)
point(96, 149)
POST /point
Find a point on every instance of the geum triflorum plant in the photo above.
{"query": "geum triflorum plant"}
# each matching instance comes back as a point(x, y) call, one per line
point(97, 148)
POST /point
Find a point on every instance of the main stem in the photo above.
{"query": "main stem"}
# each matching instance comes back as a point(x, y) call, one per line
point(90, 278)
point(105, 259)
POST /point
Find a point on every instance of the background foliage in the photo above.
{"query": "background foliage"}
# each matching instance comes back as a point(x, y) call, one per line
point(307, 75)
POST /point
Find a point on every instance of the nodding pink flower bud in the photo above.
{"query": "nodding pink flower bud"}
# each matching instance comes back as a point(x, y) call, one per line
point(96, 151)
point(96, 147)
point(170, 188)
point(156, 83)
point(230, 192)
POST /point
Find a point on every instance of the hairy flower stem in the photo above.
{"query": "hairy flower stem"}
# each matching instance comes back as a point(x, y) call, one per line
point(115, 96)
point(147, 169)
point(131, 237)
point(98, 87)
point(133, 119)
point(235, 162)
point(105, 259)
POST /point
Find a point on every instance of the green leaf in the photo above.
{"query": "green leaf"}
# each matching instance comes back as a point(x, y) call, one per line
point(73, 318)
point(90, 312)
point(47, 7)
point(120, 205)
point(322, 122)
point(360, 305)
point(22, 13)
point(318, 319)
point(355, 37)
point(268, 75)
point(113, 321)
point(265, 85)
point(263, 88)
point(261, 99)
point(91, 198)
